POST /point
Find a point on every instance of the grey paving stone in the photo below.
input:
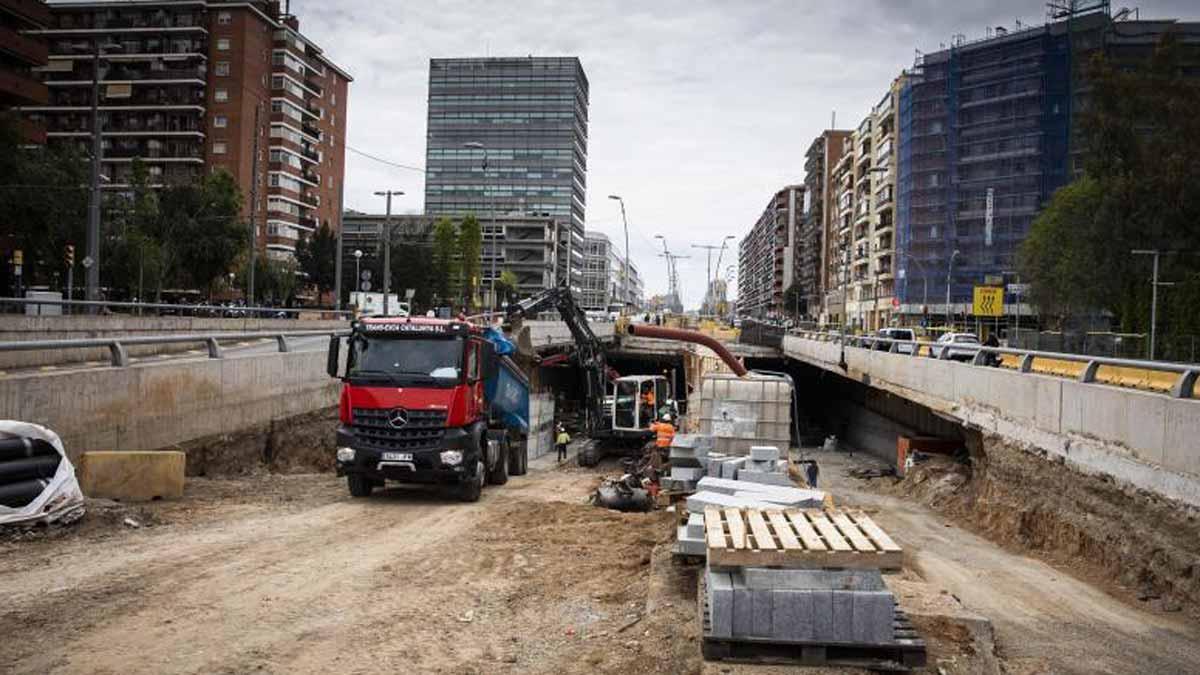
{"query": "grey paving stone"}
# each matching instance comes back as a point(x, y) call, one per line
point(720, 602)
point(778, 479)
point(686, 473)
point(700, 442)
point(762, 612)
point(697, 502)
point(764, 453)
point(743, 611)
point(873, 614)
point(800, 496)
point(823, 626)
point(730, 466)
point(695, 526)
point(843, 615)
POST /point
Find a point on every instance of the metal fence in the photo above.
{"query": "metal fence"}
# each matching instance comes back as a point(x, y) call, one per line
point(18, 305)
point(1186, 374)
point(120, 357)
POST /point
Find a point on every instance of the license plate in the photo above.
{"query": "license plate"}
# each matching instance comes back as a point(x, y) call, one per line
point(397, 456)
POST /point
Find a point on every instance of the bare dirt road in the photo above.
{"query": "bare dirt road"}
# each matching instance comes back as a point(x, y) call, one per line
point(288, 574)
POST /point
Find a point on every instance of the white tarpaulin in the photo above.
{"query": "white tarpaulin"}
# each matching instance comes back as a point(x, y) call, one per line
point(61, 501)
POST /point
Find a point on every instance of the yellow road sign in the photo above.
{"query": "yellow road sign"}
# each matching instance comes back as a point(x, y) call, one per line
point(989, 301)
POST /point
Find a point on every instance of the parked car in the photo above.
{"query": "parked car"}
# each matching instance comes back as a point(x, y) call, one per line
point(949, 343)
point(906, 334)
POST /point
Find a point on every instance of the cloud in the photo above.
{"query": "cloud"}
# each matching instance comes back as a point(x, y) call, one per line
point(700, 110)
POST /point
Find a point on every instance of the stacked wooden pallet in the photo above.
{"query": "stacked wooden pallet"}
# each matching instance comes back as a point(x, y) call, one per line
point(798, 538)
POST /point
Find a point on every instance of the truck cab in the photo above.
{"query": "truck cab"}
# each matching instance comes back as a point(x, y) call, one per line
point(414, 407)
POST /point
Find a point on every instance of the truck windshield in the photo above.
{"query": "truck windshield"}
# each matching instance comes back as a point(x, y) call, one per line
point(407, 360)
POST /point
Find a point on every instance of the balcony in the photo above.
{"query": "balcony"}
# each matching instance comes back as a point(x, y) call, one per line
point(26, 50)
point(310, 199)
point(30, 11)
point(20, 89)
point(111, 22)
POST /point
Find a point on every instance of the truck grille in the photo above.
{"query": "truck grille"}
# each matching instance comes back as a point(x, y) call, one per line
point(424, 431)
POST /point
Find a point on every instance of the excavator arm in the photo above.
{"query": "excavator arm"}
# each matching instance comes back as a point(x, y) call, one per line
point(589, 351)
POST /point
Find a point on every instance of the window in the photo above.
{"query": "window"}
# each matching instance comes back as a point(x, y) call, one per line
point(222, 44)
point(222, 69)
point(220, 121)
point(224, 18)
point(220, 95)
point(219, 148)
point(473, 361)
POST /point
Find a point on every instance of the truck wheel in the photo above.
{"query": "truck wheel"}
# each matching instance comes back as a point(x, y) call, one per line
point(588, 456)
point(470, 491)
point(360, 485)
point(499, 475)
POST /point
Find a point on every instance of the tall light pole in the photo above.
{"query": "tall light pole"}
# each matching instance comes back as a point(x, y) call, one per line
point(1154, 284)
point(92, 261)
point(949, 271)
point(387, 245)
point(357, 267)
point(476, 145)
point(708, 275)
point(625, 267)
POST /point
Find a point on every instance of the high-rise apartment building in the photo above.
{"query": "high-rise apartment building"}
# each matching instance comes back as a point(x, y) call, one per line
point(20, 53)
point(988, 131)
point(819, 215)
point(767, 255)
point(190, 87)
point(604, 276)
point(509, 136)
point(839, 239)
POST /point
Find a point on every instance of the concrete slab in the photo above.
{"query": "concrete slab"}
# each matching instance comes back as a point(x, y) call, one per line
point(697, 502)
point(778, 479)
point(780, 494)
point(132, 476)
point(764, 453)
point(843, 615)
point(730, 467)
point(689, 545)
point(695, 526)
point(873, 613)
point(720, 602)
point(686, 473)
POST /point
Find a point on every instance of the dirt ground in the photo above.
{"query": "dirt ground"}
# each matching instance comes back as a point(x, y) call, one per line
point(287, 573)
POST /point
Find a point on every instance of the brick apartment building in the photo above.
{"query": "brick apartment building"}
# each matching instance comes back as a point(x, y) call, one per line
point(767, 255)
point(19, 55)
point(192, 86)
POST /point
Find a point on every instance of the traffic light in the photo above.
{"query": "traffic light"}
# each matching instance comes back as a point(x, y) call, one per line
point(69, 255)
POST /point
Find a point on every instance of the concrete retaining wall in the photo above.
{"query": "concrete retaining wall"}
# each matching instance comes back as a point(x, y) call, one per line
point(15, 328)
point(158, 405)
point(1148, 440)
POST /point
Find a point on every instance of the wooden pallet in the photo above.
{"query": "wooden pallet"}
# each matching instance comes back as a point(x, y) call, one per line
point(906, 652)
point(797, 538)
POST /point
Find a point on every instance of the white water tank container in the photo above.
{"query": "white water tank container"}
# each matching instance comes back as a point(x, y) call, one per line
point(740, 412)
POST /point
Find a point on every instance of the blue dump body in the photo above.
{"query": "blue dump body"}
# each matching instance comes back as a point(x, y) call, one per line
point(508, 391)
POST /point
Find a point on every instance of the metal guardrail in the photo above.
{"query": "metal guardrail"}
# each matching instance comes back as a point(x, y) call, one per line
point(120, 358)
point(197, 310)
point(1184, 386)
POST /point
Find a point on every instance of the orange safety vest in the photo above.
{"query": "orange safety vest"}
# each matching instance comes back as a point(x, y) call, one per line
point(665, 433)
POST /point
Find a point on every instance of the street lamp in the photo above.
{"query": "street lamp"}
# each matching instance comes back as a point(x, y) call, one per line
point(476, 145)
point(949, 271)
point(1154, 284)
point(357, 267)
point(387, 244)
point(625, 267)
point(92, 261)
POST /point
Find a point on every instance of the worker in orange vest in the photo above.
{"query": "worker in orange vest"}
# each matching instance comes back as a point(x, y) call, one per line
point(664, 432)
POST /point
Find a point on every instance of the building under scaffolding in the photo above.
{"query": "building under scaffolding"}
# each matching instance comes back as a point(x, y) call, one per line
point(988, 132)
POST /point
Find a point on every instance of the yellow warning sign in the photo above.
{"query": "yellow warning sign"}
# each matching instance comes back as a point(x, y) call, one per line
point(989, 301)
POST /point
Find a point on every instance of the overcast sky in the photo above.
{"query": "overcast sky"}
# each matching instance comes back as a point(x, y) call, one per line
point(700, 109)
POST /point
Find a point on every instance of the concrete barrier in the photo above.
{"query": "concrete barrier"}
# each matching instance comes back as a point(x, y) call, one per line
point(1145, 439)
point(132, 476)
point(157, 405)
point(15, 328)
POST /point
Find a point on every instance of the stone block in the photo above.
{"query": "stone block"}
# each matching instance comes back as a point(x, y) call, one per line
point(873, 614)
point(674, 485)
point(697, 502)
point(777, 479)
point(759, 466)
point(720, 603)
point(701, 443)
point(132, 476)
point(743, 610)
point(688, 545)
point(801, 497)
point(695, 526)
point(762, 612)
point(764, 453)
point(686, 473)
point(843, 615)
point(823, 626)
point(730, 466)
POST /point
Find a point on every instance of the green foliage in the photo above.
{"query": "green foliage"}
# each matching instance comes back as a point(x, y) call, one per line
point(506, 286)
point(317, 257)
point(413, 268)
point(793, 298)
point(1138, 191)
point(445, 259)
point(132, 259)
point(470, 245)
point(43, 203)
point(200, 229)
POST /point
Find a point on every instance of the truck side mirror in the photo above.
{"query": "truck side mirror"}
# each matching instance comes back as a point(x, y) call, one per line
point(331, 363)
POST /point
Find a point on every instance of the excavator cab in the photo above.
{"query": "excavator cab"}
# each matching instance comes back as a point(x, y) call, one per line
point(638, 401)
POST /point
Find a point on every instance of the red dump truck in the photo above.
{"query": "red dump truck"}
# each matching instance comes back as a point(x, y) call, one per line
point(429, 401)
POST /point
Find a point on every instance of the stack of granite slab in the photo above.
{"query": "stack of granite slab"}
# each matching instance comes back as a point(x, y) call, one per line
point(727, 493)
point(763, 465)
point(688, 460)
point(798, 606)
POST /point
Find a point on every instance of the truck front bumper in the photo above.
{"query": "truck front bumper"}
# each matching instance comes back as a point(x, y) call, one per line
point(427, 466)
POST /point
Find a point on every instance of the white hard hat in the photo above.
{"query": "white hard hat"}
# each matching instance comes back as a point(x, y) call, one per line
point(666, 418)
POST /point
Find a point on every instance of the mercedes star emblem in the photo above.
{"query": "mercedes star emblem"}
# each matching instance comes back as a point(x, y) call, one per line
point(398, 417)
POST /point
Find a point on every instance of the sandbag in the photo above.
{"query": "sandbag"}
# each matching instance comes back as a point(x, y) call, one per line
point(57, 499)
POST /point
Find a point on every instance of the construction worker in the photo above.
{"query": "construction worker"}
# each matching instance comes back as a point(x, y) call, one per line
point(561, 441)
point(664, 432)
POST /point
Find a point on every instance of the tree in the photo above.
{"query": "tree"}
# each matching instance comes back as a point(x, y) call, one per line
point(506, 285)
point(132, 257)
point(43, 203)
point(445, 263)
point(470, 246)
point(793, 299)
point(1137, 191)
point(317, 257)
point(200, 230)
point(412, 267)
